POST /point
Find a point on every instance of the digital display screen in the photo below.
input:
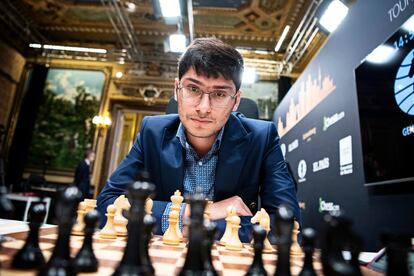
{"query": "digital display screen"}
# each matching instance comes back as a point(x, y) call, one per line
point(385, 88)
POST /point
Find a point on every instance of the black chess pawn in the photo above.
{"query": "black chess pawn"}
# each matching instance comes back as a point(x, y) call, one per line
point(283, 230)
point(60, 263)
point(30, 255)
point(134, 261)
point(85, 260)
point(257, 267)
point(338, 238)
point(210, 230)
point(194, 261)
point(308, 242)
point(396, 249)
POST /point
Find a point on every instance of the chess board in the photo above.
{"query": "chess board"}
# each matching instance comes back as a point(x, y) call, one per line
point(165, 259)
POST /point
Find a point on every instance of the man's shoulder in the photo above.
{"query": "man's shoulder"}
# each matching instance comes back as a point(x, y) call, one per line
point(156, 124)
point(252, 125)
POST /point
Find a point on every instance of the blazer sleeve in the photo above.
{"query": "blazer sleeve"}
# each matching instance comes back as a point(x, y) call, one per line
point(277, 186)
point(126, 173)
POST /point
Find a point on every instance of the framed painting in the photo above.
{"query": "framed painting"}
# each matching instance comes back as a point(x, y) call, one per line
point(63, 129)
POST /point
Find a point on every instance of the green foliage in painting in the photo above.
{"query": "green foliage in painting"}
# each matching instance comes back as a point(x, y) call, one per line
point(63, 129)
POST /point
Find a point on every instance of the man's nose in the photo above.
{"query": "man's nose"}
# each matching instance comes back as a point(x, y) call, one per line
point(205, 104)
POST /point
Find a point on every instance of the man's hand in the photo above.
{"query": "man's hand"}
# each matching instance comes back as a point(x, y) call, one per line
point(219, 209)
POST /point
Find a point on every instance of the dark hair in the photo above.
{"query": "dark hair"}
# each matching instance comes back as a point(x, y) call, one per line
point(88, 152)
point(212, 57)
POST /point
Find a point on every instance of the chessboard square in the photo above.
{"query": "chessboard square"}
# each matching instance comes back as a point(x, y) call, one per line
point(109, 255)
point(17, 244)
point(164, 269)
point(154, 253)
point(229, 259)
point(234, 272)
point(4, 258)
point(50, 236)
point(46, 245)
point(116, 243)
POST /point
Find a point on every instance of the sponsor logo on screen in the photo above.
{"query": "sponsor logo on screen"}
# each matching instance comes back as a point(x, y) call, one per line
point(307, 136)
point(345, 155)
point(302, 171)
point(330, 121)
point(408, 130)
point(294, 145)
point(403, 86)
point(330, 207)
point(321, 164)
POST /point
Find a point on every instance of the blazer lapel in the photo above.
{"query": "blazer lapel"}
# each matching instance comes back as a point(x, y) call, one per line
point(171, 162)
point(232, 155)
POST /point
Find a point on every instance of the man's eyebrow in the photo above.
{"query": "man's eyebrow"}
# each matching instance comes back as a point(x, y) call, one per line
point(214, 86)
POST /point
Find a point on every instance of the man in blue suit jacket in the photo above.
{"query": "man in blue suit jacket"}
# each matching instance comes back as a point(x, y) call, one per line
point(207, 148)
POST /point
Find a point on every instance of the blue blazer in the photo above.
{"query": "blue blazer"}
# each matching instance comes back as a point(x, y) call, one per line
point(250, 165)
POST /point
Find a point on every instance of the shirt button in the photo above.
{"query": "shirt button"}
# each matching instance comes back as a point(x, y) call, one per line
point(200, 163)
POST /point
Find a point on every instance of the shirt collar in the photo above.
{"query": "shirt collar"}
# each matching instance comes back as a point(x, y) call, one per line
point(88, 162)
point(183, 139)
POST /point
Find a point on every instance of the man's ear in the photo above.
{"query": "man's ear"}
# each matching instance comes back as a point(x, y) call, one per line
point(236, 105)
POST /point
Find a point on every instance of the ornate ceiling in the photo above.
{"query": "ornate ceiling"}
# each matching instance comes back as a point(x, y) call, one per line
point(136, 33)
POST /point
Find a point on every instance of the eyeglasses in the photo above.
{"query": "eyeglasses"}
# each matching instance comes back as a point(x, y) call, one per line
point(218, 98)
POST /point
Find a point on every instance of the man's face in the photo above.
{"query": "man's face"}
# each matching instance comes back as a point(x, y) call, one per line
point(203, 120)
point(92, 157)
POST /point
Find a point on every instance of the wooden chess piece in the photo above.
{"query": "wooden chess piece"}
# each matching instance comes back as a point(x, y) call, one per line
point(176, 200)
point(60, 263)
point(109, 232)
point(397, 248)
point(195, 258)
point(309, 236)
point(134, 260)
point(171, 236)
point(295, 249)
point(30, 255)
point(207, 211)
point(231, 211)
point(149, 203)
point(77, 229)
point(257, 267)
point(283, 228)
point(90, 204)
point(85, 260)
point(263, 218)
point(210, 229)
point(120, 222)
point(234, 242)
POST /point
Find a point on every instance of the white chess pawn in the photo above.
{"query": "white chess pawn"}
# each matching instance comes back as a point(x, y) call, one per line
point(109, 232)
point(264, 222)
point(295, 249)
point(148, 206)
point(176, 200)
point(234, 242)
point(207, 210)
point(171, 236)
point(80, 225)
point(231, 211)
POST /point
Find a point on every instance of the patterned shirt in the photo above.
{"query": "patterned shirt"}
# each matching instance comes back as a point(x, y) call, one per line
point(199, 173)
